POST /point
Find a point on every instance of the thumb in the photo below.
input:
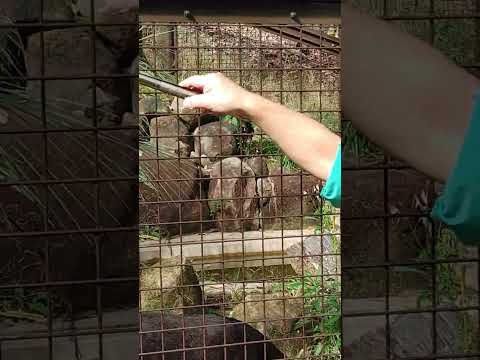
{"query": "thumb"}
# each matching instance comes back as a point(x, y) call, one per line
point(198, 102)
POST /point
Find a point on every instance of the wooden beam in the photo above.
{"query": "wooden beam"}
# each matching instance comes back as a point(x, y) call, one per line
point(245, 11)
point(306, 36)
point(307, 19)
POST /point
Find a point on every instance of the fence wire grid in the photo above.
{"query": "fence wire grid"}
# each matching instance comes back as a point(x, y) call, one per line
point(239, 255)
point(406, 278)
point(68, 179)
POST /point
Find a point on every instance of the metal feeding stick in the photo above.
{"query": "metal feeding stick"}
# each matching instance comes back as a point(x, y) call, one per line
point(166, 87)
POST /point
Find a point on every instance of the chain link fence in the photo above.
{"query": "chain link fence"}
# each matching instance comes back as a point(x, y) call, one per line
point(411, 284)
point(68, 181)
point(239, 255)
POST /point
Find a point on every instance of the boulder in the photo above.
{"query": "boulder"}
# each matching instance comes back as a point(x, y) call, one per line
point(214, 140)
point(264, 190)
point(68, 52)
point(169, 134)
point(172, 193)
point(294, 190)
point(29, 11)
point(314, 255)
point(232, 200)
point(122, 39)
point(271, 314)
point(203, 161)
point(169, 284)
point(258, 165)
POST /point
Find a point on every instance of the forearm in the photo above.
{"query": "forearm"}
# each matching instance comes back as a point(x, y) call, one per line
point(307, 142)
point(403, 94)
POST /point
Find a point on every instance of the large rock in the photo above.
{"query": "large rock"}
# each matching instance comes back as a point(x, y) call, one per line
point(214, 140)
point(258, 165)
point(122, 39)
point(30, 11)
point(271, 314)
point(175, 195)
point(315, 256)
point(265, 191)
point(169, 134)
point(68, 53)
point(232, 195)
point(169, 284)
point(288, 199)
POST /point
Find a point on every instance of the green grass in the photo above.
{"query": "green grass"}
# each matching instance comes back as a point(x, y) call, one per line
point(447, 280)
point(214, 207)
point(322, 306)
point(28, 304)
point(153, 231)
point(265, 146)
point(324, 214)
point(450, 286)
point(357, 145)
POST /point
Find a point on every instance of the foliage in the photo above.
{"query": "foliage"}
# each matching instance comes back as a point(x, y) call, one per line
point(322, 311)
point(215, 206)
point(235, 126)
point(264, 146)
point(356, 144)
point(153, 232)
point(449, 282)
point(28, 304)
point(234, 123)
point(330, 120)
point(324, 214)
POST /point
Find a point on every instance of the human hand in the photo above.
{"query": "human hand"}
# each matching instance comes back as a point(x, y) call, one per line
point(219, 95)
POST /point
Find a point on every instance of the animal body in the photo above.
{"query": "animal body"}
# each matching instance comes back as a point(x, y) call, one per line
point(213, 345)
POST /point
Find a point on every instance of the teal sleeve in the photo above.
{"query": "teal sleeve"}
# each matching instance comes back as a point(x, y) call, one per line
point(459, 205)
point(332, 191)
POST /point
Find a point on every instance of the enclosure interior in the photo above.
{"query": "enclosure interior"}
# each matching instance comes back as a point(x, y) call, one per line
point(229, 225)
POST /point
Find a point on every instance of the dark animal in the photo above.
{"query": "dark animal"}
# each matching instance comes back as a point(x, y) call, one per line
point(224, 339)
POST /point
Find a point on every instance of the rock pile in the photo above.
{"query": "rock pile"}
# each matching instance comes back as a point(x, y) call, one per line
point(240, 192)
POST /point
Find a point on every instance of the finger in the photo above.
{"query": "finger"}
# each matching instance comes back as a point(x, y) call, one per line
point(195, 81)
point(198, 102)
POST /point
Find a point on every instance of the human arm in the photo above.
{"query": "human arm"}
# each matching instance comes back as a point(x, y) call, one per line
point(404, 95)
point(307, 142)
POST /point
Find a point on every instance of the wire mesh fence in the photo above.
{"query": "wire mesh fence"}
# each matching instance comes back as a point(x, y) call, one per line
point(239, 255)
point(68, 179)
point(406, 278)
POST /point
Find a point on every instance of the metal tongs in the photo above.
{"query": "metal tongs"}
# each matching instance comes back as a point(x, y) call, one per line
point(166, 87)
